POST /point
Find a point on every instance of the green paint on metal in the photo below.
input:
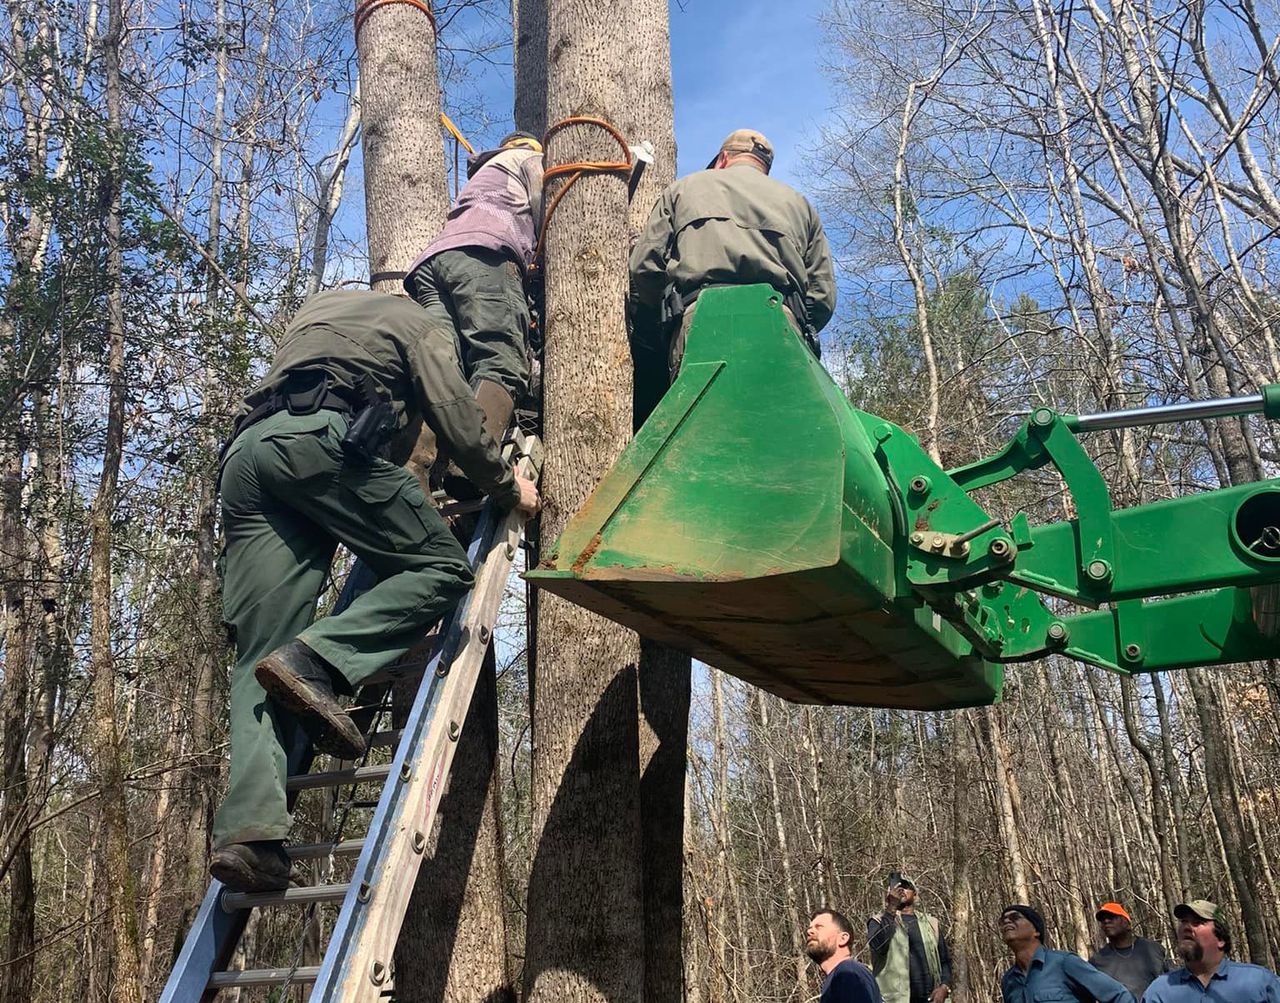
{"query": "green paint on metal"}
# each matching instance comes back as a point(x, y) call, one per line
point(750, 524)
point(764, 525)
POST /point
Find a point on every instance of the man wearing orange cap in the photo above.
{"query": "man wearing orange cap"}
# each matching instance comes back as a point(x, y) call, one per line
point(1134, 961)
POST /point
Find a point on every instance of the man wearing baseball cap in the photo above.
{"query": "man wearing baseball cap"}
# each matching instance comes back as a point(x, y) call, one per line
point(731, 224)
point(1204, 943)
point(1135, 961)
point(909, 953)
point(1040, 974)
point(470, 279)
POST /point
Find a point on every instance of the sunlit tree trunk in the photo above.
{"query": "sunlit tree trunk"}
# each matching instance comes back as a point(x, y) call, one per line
point(109, 752)
point(585, 907)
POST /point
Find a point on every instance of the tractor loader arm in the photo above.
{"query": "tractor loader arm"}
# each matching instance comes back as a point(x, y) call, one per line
point(763, 524)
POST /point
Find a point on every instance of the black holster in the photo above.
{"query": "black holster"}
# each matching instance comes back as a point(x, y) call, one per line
point(371, 430)
point(795, 303)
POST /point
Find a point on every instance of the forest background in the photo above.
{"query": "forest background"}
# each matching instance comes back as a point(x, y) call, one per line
point(1067, 203)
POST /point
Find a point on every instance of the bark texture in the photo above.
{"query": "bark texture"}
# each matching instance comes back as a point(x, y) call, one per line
point(664, 673)
point(118, 894)
point(454, 940)
point(531, 65)
point(585, 909)
point(405, 189)
point(453, 945)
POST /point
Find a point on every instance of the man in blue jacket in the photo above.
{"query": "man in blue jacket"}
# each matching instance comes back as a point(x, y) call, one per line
point(1041, 974)
point(1203, 944)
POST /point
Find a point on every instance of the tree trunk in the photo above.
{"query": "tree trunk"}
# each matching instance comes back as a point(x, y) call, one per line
point(118, 888)
point(15, 848)
point(962, 783)
point(529, 19)
point(329, 195)
point(1006, 786)
point(209, 646)
point(664, 735)
point(453, 943)
point(791, 901)
point(1159, 795)
point(461, 944)
point(664, 673)
point(1173, 777)
point(585, 914)
point(1238, 859)
point(406, 194)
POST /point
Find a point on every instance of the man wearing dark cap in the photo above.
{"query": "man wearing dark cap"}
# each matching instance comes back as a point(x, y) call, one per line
point(910, 957)
point(731, 224)
point(470, 278)
point(844, 979)
point(1135, 961)
point(1039, 974)
point(1204, 943)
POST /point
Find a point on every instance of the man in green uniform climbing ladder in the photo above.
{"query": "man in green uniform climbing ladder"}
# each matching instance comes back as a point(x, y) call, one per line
point(306, 470)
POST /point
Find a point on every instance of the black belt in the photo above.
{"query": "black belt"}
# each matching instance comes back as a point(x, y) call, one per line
point(277, 404)
point(791, 299)
point(295, 399)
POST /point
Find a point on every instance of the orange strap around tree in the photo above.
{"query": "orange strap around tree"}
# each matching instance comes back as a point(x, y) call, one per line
point(366, 7)
point(576, 170)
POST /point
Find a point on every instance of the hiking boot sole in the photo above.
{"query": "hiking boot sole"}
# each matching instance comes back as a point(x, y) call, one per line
point(329, 727)
point(239, 876)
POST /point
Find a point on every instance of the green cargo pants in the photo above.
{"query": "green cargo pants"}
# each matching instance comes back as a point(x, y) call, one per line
point(478, 294)
point(289, 496)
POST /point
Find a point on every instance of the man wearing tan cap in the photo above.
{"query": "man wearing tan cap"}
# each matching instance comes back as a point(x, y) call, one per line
point(1204, 943)
point(1134, 961)
point(732, 224)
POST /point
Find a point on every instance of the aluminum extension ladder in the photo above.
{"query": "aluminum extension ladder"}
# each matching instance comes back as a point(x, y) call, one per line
point(356, 963)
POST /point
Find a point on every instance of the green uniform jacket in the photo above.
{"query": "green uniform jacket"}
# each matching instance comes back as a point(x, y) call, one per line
point(734, 226)
point(349, 333)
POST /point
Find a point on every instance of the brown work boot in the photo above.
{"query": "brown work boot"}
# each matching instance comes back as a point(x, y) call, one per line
point(498, 408)
point(302, 681)
point(258, 866)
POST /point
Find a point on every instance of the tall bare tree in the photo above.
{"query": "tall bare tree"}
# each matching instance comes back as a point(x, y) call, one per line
point(405, 189)
point(664, 674)
point(584, 902)
point(453, 942)
point(109, 750)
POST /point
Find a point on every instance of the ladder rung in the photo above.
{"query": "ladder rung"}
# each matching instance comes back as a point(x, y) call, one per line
point(337, 778)
point(263, 977)
point(358, 805)
point(383, 739)
point(397, 672)
point(231, 901)
point(318, 851)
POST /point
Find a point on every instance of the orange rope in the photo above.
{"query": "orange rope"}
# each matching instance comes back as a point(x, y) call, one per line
point(458, 140)
point(366, 7)
point(576, 170)
point(458, 137)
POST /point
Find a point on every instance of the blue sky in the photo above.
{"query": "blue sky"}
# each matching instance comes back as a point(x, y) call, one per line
point(734, 63)
point(747, 64)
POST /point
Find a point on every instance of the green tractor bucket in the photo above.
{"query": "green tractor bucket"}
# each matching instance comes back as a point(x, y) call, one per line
point(750, 525)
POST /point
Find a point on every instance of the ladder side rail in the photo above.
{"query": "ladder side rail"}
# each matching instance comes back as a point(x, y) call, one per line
point(215, 932)
point(208, 947)
point(383, 880)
